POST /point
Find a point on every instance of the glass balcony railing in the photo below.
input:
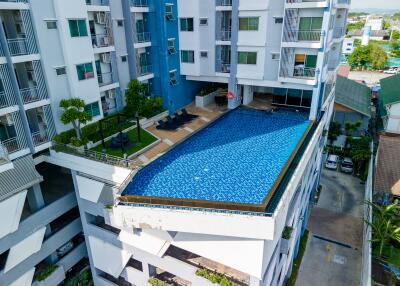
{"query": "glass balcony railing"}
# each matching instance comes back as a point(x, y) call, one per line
point(224, 35)
point(223, 66)
point(145, 69)
point(224, 2)
point(139, 3)
point(98, 2)
point(105, 78)
point(302, 36)
point(143, 37)
point(304, 72)
point(15, 1)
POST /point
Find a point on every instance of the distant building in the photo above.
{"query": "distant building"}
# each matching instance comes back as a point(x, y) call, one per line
point(389, 101)
point(352, 103)
point(380, 35)
point(375, 22)
point(387, 178)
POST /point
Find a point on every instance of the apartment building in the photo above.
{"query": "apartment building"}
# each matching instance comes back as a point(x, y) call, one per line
point(148, 222)
point(281, 53)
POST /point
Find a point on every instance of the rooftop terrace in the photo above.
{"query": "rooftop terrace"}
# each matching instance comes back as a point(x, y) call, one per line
point(236, 162)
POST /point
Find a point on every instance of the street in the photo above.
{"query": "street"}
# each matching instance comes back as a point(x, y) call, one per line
point(333, 255)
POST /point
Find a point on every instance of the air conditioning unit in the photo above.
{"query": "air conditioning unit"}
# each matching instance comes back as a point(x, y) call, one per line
point(100, 18)
point(106, 58)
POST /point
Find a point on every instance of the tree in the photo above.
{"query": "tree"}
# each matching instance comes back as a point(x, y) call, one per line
point(361, 153)
point(395, 35)
point(354, 26)
point(334, 131)
point(74, 113)
point(385, 227)
point(386, 25)
point(350, 128)
point(135, 97)
point(370, 56)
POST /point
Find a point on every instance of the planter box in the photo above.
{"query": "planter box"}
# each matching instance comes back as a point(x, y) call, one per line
point(203, 101)
point(285, 246)
point(55, 278)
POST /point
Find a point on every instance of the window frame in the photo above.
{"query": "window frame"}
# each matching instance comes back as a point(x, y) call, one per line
point(88, 72)
point(187, 25)
point(54, 22)
point(90, 111)
point(244, 55)
point(79, 25)
point(246, 25)
point(187, 57)
point(57, 69)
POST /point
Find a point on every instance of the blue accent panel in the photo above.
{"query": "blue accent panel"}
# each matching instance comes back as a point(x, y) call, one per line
point(233, 103)
point(126, 8)
point(161, 29)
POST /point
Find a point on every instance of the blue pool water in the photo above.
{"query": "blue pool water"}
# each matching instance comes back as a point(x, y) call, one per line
point(235, 159)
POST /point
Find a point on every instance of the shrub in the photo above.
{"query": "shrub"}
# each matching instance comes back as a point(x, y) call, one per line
point(207, 90)
point(287, 232)
point(157, 282)
point(82, 279)
point(215, 277)
point(45, 272)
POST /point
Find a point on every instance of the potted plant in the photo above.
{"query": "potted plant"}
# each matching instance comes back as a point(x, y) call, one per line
point(285, 241)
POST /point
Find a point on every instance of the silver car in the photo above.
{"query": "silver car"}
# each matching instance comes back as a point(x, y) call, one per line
point(347, 165)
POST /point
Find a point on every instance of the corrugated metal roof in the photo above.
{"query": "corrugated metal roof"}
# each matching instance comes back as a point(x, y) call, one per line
point(387, 178)
point(353, 95)
point(390, 90)
point(21, 177)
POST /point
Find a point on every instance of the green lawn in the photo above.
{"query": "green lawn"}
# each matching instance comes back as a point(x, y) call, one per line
point(146, 140)
point(297, 261)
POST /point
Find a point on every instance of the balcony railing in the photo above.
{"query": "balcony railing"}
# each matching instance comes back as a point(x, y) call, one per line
point(101, 40)
point(11, 145)
point(304, 72)
point(18, 46)
point(224, 2)
point(139, 3)
point(145, 69)
point(15, 1)
point(343, 1)
point(105, 78)
point(302, 36)
point(3, 100)
point(40, 137)
point(143, 37)
point(224, 35)
point(98, 2)
point(31, 94)
point(303, 1)
point(223, 66)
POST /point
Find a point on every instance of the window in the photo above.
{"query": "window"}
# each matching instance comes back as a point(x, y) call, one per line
point(78, 28)
point(51, 25)
point(187, 57)
point(172, 78)
point(204, 54)
point(278, 20)
point(93, 109)
point(124, 58)
point(169, 14)
point(247, 58)
point(61, 70)
point(85, 71)
point(186, 24)
point(248, 24)
point(203, 21)
point(171, 46)
point(120, 23)
point(310, 23)
point(275, 56)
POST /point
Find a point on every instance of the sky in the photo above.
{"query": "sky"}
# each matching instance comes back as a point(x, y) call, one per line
point(386, 4)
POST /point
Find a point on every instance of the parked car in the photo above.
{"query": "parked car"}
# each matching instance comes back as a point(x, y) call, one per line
point(332, 162)
point(347, 165)
point(391, 71)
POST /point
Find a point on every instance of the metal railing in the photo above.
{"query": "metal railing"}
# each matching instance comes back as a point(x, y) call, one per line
point(143, 70)
point(139, 3)
point(3, 100)
point(142, 37)
point(224, 3)
point(11, 145)
point(40, 137)
point(222, 66)
point(31, 94)
point(96, 156)
point(101, 40)
point(15, 1)
point(18, 46)
point(302, 36)
point(303, 1)
point(224, 35)
point(304, 72)
point(98, 2)
point(105, 78)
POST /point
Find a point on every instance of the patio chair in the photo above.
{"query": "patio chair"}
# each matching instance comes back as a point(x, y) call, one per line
point(187, 115)
point(161, 124)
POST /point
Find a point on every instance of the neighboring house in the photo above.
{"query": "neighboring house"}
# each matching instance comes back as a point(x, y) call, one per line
point(352, 103)
point(348, 46)
point(387, 178)
point(374, 35)
point(389, 100)
point(375, 22)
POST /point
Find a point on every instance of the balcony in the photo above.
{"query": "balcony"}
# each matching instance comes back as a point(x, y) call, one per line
point(40, 137)
point(143, 37)
point(31, 94)
point(3, 154)
point(139, 3)
point(144, 69)
point(101, 40)
point(105, 78)
point(224, 3)
point(11, 145)
point(3, 100)
point(98, 2)
point(303, 1)
point(18, 46)
point(302, 36)
point(304, 72)
point(223, 66)
point(224, 35)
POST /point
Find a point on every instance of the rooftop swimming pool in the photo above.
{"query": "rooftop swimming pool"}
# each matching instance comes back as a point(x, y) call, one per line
point(235, 159)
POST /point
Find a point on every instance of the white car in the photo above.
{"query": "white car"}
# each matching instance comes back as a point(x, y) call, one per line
point(332, 162)
point(391, 71)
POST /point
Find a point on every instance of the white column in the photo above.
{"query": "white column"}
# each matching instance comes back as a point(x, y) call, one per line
point(247, 94)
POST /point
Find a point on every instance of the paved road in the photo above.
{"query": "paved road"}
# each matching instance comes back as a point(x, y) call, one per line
point(370, 78)
point(333, 255)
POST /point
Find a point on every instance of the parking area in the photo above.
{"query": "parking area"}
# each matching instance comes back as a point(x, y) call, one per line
point(333, 255)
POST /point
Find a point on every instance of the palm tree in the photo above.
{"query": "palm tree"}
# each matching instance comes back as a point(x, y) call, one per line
point(385, 225)
point(350, 128)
